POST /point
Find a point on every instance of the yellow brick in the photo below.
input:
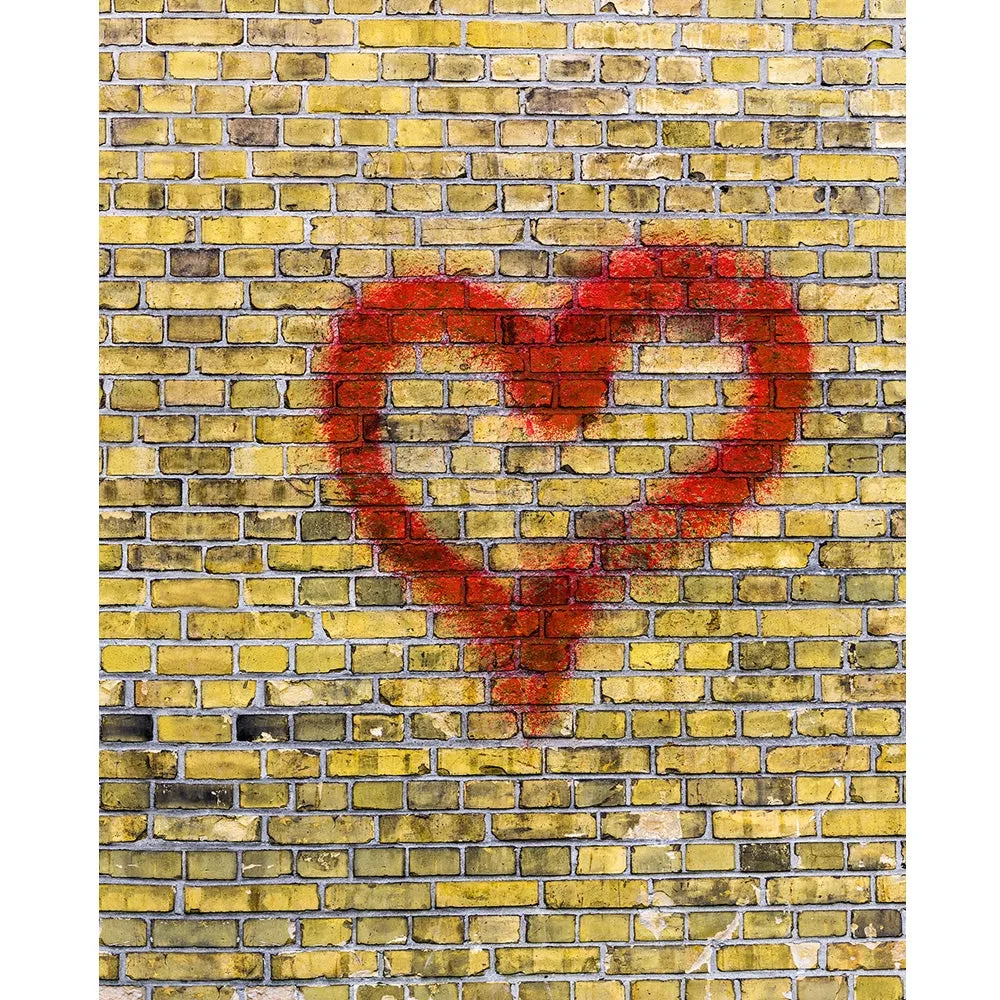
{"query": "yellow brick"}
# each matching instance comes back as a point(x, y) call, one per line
point(415, 33)
point(364, 231)
point(792, 234)
point(791, 69)
point(183, 966)
point(222, 163)
point(715, 100)
point(864, 822)
point(284, 163)
point(194, 295)
point(735, 70)
point(880, 232)
point(707, 760)
point(246, 65)
point(621, 35)
point(514, 34)
point(194, 31)
point(374, 624)
point(358, 100)
point(732, 37)
point(891, 70)
point(193, 65)
point(136, 898)
point(195, 593)
point(828, 167)
point(146, 229)
point(766, 823)
point(768, 956)
point(835, 36)
point(192, 729)
point(310, 33)
point(252, 229)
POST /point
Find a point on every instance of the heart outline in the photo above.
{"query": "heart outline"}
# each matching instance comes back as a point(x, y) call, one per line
point(366, 341)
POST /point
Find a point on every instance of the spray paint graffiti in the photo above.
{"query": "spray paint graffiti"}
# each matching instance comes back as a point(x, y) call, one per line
point(558, 353)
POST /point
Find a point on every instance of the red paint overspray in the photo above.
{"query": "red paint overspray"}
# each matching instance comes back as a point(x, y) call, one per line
point(555, 357)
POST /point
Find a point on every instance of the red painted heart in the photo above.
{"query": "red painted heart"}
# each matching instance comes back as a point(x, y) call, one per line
point(559, 351)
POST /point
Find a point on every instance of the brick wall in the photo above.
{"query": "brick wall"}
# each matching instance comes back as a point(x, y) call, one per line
point(501, 415)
